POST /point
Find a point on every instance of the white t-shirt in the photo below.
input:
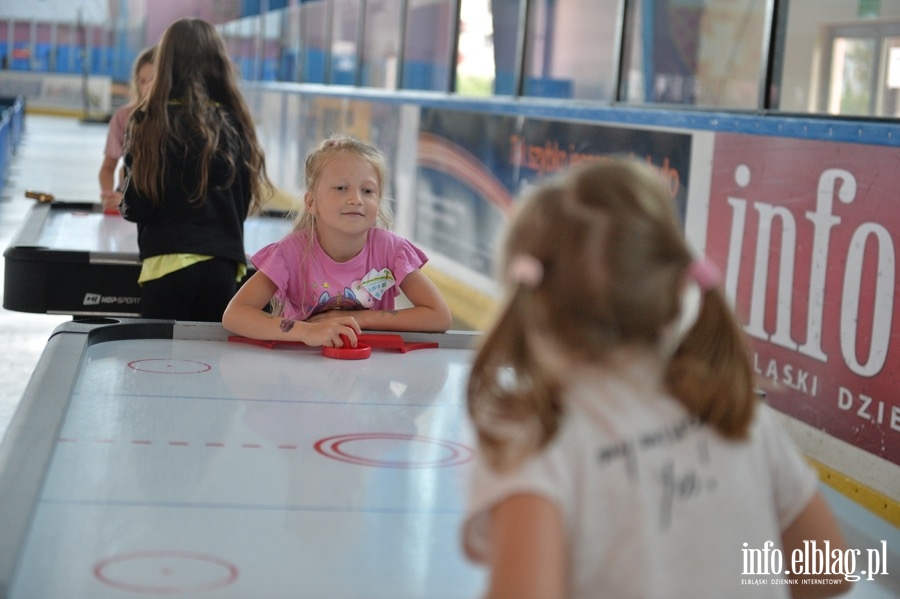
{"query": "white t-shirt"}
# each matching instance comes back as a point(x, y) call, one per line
point(654, 503)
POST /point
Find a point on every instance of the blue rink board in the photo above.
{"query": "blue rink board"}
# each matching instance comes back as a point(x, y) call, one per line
point(185, 465)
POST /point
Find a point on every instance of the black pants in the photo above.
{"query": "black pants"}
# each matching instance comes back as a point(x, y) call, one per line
point(199, 292)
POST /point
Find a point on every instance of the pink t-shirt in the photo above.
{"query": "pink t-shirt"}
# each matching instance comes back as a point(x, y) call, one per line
point(308, 284)
point(115, 137)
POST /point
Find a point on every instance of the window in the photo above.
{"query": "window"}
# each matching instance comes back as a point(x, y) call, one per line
point(572, 49)
point(841, 58)
point(699, 52)
point(289, 66)
point(381, 43)
point(345, 31)
point(428, 44)
point(476, 70)
point(271, 50)
point(312, 41)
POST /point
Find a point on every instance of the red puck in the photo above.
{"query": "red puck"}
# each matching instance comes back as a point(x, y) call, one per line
point(360, 352)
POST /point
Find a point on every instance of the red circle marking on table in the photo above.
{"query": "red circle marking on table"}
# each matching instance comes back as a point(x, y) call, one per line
point(168, 366)
point(331, 447)
point(168, 562)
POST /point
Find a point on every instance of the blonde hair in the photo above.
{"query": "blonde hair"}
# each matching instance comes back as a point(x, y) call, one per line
point(145, 57)
point(316, 161)
point(612, 261)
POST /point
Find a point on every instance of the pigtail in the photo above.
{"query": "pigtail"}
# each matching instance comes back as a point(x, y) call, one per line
point(514, 399)
point(710, 372)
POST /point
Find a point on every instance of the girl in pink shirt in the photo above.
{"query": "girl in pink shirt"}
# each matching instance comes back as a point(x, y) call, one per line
point(341, 269)
point(141, 78)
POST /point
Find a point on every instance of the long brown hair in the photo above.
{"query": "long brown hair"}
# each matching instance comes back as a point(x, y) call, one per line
point(612, 261)
point(193, 70)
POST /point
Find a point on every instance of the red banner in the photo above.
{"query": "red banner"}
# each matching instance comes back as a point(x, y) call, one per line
point(805, 233)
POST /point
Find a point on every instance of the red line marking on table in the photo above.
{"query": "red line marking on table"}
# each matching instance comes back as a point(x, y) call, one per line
point(181, 443)
point(332, 447)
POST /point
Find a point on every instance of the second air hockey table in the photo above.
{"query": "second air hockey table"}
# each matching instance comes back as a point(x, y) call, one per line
point(71, 258)
point(154, 458)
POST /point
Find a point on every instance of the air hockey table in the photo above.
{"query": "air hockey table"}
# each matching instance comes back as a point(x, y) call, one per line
point(71, 258)
point(154, 458)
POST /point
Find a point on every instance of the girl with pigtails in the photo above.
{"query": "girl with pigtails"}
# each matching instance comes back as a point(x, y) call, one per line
point(623, 451)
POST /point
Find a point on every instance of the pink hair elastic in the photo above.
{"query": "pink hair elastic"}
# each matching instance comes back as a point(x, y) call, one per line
point(705, 273)
point(526, 270)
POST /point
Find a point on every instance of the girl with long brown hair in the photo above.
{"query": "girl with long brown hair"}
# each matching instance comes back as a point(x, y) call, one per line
point(195, 171)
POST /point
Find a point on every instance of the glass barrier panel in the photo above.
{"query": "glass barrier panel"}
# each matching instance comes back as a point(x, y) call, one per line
point(289, 69)
point(840, 58)
point(312, 41)
point(705, 53)
point(428, 44)
point(381, 44)
point(572, 49)
point(506, 16)
point(476, 70)
point(271, 46)
point(346, 25)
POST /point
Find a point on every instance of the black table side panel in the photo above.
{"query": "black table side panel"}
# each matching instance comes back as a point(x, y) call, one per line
point(47, 280)
point(67, 282)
